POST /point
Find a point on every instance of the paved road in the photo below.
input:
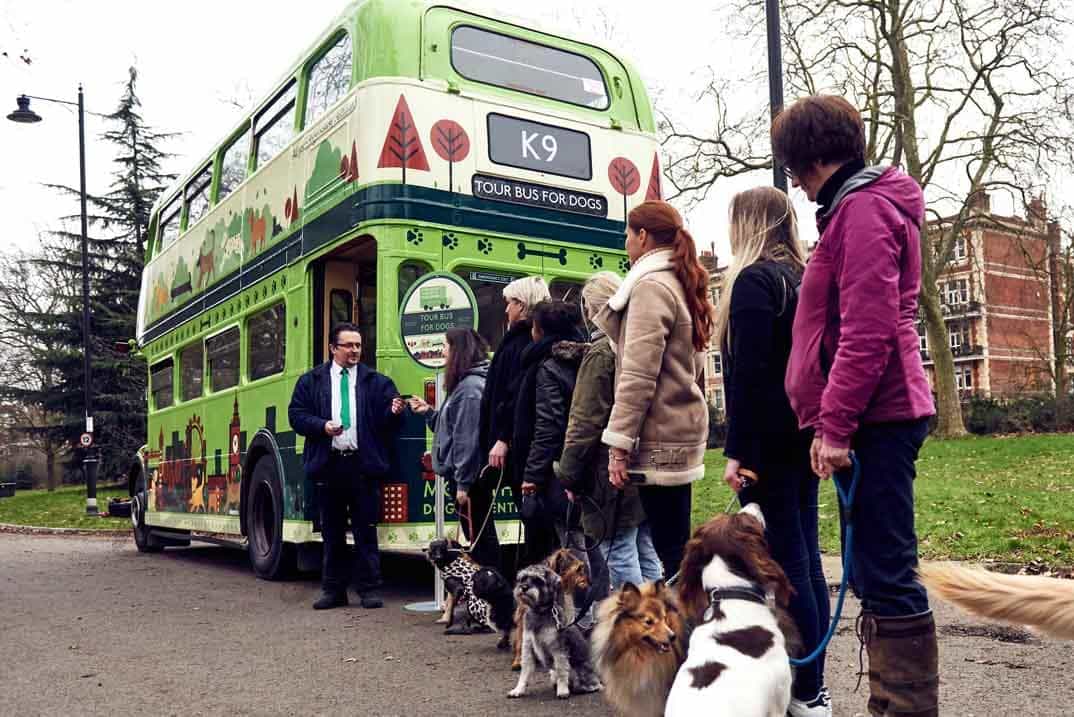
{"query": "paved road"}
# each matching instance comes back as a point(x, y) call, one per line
point(89, 626)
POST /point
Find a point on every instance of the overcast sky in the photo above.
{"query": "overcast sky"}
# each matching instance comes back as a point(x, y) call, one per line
point(200, 54)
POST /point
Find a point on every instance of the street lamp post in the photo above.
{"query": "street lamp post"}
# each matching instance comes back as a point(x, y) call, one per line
point(25, 115)
point(775, 80)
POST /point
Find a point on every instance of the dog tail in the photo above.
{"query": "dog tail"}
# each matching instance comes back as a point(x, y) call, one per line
point(1043, 603)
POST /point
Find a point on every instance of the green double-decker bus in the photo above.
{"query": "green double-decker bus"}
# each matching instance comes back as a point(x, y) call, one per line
point(412, 138)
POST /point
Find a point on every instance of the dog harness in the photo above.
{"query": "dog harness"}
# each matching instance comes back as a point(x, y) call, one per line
point(750, 593)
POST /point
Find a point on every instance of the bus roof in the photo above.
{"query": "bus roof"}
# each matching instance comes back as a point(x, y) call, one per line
point(398, 14)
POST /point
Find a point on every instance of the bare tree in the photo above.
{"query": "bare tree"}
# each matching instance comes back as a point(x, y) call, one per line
point(28, 293)
point(966, 95)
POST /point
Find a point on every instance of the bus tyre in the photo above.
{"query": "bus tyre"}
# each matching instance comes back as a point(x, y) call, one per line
point(272, 558)
point(144, 539)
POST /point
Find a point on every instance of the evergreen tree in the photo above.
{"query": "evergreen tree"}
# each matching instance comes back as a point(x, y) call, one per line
point(116, 254)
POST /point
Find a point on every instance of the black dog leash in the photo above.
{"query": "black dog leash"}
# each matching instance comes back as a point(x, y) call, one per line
point(591, 598)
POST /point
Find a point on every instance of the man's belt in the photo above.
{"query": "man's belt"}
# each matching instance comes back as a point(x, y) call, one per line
point(345, 452)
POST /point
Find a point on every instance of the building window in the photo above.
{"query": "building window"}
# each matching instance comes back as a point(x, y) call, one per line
point(197, 196)
point(717, 364)
point(959, 333)
point(488, 288)
point(160, 383)
point(275, 126)
point(223, 354)
point(191, 369)
point(922, 338)
point(330, 78)
point(267, 337)
point(958, 252)
point(964, 378)
point(233, 165)
point(717, 399)
point(516, 64)
point(958, 292)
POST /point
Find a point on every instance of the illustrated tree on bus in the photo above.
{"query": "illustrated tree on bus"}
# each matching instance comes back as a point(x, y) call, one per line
point(348, 166)
point(402, 147)
point(624, 178)
point(290, 207)
point(655, 191)
point(181, 281)
point(451, 142)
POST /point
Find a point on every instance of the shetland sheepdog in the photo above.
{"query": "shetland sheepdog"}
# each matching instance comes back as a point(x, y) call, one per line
point(1046, 604)
point(638, 645)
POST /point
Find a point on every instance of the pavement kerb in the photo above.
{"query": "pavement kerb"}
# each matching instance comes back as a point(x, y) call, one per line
point(39, 530)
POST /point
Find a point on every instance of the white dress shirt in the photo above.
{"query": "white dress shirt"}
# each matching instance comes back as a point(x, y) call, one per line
point(348, 440)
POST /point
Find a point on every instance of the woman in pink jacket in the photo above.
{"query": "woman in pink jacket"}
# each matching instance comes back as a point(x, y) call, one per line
point(855, 378)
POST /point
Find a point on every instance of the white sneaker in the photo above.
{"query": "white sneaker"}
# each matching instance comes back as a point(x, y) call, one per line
point(819, 706)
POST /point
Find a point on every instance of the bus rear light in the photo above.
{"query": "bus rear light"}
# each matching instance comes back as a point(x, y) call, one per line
point(430, 391)
point(427, 467)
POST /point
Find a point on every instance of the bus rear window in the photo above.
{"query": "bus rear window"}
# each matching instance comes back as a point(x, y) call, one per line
point(515, 64)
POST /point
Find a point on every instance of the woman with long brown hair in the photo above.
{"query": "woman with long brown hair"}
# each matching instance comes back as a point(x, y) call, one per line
point(659, 321)
point(457, 454)
point(767, 455)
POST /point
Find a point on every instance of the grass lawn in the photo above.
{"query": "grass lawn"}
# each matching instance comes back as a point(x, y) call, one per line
point(62, 508)
point(1006, 498)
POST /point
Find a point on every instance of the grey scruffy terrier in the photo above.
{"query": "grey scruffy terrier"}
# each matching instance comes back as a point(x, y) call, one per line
point(547, 641)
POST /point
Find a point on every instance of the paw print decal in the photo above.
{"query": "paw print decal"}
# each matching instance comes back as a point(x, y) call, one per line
point(450, 241)
point(624, 265)
point(596, 261)
point(414, 236)
point(484, 246)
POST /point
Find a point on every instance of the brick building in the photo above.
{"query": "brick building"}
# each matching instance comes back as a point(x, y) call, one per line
point(997, 301)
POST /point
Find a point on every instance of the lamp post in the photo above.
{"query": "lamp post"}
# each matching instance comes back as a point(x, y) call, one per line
point(25, 115)
point(775, 80)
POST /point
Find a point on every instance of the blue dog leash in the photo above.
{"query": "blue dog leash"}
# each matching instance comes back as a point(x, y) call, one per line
point(847, 500)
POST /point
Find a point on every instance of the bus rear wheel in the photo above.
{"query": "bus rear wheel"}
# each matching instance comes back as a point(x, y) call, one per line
point(271, 557)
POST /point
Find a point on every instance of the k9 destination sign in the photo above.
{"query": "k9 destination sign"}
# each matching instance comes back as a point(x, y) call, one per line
point(538, 195)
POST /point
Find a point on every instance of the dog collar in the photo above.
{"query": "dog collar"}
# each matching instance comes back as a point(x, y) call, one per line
point(750, 593)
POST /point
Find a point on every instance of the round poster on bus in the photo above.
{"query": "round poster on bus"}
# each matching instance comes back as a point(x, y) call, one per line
point(435, 303)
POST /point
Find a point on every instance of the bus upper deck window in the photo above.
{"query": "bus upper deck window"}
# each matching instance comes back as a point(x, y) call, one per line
point(233, 165)
point(275, 126)
point(197, 196)
point(504, 61)
point(330, 78)
point(169, 223)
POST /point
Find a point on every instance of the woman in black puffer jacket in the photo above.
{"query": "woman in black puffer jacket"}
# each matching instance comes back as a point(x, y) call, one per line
point(550, 367)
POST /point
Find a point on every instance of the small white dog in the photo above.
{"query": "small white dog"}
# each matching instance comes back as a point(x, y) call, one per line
point(737, 663)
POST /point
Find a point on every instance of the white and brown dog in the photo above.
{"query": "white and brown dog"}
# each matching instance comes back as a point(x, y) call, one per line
point(737, 663)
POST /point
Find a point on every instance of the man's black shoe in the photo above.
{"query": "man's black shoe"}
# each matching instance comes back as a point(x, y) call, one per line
point(327, 601)
point(371, 599)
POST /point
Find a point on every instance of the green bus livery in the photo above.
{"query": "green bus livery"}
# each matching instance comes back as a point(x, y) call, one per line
point(412, 138)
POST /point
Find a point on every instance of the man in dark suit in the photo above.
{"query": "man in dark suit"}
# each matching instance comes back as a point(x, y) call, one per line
point(347, 412)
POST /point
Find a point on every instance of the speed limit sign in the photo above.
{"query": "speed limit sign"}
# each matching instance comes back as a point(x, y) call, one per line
point(86, 440)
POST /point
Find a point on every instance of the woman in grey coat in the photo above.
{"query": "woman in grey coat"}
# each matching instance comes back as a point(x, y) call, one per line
point(456, 453)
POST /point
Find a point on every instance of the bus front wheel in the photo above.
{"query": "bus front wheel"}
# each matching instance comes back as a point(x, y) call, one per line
point(272, 558)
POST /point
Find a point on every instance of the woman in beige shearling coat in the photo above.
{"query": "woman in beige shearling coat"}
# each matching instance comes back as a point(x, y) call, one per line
point(659, 322)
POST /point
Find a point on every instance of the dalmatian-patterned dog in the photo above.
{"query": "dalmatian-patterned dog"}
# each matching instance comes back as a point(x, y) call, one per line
point(458, 570)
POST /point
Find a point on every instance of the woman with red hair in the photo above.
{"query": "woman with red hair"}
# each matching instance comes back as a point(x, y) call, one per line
point(659, 322)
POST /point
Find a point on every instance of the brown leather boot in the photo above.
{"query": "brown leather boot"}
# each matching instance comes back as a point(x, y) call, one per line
point(903, 665)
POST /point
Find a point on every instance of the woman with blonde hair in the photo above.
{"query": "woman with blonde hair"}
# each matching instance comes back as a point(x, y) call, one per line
point(767, 454)
point(659, 321)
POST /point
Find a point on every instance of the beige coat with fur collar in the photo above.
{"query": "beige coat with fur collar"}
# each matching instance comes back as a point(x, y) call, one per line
point(660, 415)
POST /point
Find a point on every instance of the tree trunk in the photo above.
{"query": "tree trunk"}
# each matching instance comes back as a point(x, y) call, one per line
point(948, 410)
point(50, 464)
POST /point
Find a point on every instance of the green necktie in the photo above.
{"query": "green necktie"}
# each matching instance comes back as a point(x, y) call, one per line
point(344, 401)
